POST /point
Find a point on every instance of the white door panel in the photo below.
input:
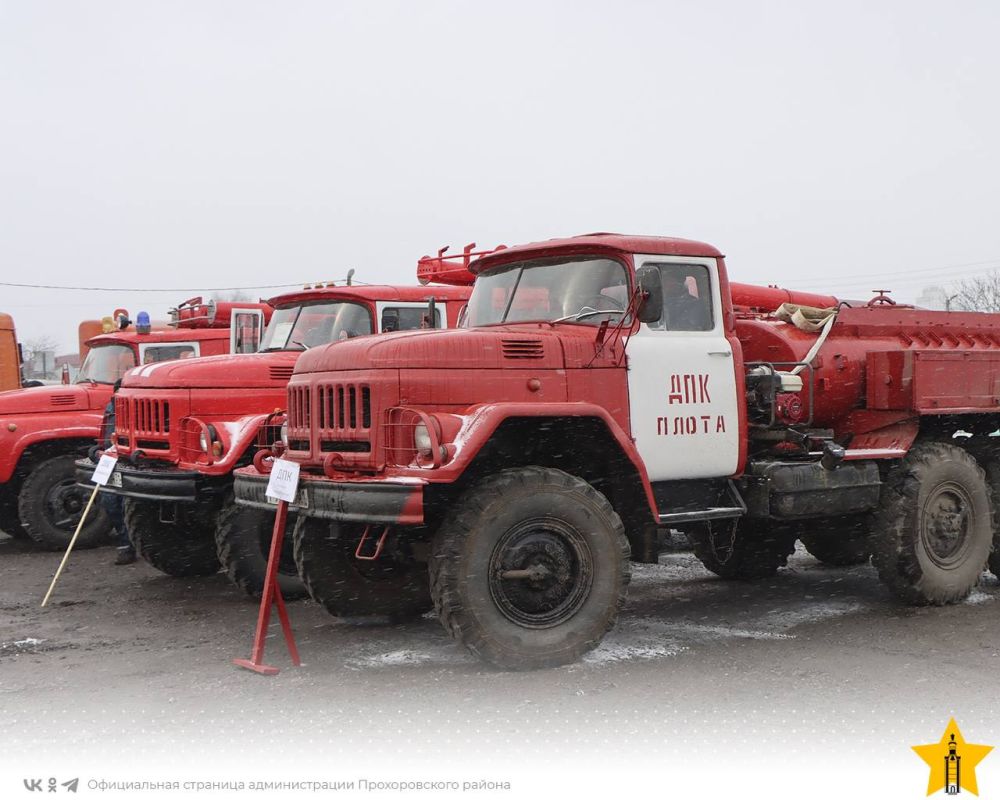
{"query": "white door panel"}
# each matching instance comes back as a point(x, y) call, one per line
point(682, 392)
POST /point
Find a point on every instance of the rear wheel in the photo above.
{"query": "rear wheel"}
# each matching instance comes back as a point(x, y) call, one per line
point(183, 545)
point(51, 503)
point(530, 569)
point(933, 529)
point(243, 543)
point(842, 543)
point(392, 588)
point(745, 549)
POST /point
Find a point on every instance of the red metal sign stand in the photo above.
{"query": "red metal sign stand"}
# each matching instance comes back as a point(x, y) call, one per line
point(272, 594)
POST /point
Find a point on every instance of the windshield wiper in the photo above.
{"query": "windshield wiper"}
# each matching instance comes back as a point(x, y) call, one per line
point(587, 312)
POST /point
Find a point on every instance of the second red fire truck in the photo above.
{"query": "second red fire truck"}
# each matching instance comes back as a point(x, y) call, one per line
point(183, 428)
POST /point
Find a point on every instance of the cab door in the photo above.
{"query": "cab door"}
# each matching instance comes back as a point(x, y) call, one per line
point(681, 377)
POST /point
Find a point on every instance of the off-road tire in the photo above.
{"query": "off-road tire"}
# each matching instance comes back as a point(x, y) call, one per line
point(520, 519)
point(759, 548)
point(243, 544)
point(50, 504)
point(993, 484)
point(393, 588)
point(915, 522)
point(184, 548)
point(844, 542)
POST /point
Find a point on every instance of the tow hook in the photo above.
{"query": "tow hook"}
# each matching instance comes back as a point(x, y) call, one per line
point(379, 545)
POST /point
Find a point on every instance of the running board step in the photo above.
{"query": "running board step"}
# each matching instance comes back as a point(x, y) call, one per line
point(697, 501)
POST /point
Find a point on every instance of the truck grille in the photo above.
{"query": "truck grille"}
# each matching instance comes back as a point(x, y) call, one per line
point(344, 406)
point(145, 419)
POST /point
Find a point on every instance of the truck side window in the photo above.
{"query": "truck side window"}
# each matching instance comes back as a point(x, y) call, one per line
point(407, 319)
point(687, 298)
point(167, 353)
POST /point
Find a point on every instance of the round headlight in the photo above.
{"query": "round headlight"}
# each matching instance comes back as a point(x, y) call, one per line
point(422, 439)
point(283, 433)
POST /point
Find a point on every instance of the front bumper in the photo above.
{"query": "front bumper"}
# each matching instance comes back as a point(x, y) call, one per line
point(370, 502)
point(156, 483)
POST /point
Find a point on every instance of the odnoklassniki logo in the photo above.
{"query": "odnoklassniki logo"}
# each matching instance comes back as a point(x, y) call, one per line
point(952, 761)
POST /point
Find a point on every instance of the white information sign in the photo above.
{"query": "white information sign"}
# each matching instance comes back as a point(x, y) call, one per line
point(284, 480)
point(104, 469)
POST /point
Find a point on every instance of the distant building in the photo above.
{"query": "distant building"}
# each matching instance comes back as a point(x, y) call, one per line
point(934, 298)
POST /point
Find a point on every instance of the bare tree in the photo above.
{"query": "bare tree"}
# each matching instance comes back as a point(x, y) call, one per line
point(236, 296)
point(981, 293)
point(33, 360)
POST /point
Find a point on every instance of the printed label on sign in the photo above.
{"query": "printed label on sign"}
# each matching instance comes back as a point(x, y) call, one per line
point(284, 480)
point(104, 469)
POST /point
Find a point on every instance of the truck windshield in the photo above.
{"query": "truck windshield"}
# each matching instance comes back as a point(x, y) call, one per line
point(303, 326)
point(583, 290)
point(106, 363)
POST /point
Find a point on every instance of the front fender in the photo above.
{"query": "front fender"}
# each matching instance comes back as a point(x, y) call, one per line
point(481, 422)
point(33, 429)
point(237, 435)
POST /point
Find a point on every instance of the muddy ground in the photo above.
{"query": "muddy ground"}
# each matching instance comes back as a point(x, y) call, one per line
point(129, 673)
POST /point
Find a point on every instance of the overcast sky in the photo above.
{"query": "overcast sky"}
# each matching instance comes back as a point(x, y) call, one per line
point(827, 146)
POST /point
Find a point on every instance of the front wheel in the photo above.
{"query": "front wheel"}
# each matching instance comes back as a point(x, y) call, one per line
point(51, 504)
point(392, 588)
point(243, 544)
point(182, 545)
point(531, 568)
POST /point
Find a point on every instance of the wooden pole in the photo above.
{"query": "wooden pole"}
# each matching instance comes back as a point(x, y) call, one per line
point(72, 542)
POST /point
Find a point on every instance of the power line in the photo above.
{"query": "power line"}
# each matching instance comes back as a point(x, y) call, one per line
point(142, 289)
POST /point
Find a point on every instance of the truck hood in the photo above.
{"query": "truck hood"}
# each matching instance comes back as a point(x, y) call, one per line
point(534, 346)
point(251, 371)
point(42, 399)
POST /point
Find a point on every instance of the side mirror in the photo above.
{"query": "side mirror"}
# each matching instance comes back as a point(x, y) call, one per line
point(651, 303)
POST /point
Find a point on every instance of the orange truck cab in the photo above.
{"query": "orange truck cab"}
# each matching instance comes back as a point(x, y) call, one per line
point(10, 355)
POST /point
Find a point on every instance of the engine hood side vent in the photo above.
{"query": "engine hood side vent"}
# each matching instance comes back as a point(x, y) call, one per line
point(522, 348)
point(63, 399)
point(281, 373)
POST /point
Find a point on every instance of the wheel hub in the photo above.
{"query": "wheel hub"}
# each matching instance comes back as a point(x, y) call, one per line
point(64, 504)
point(540, 573)
point(945, 524)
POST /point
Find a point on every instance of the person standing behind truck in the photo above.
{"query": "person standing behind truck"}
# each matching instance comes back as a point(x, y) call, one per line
point(113, 504)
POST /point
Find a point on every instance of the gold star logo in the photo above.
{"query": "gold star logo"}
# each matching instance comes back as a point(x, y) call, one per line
point(952, 761)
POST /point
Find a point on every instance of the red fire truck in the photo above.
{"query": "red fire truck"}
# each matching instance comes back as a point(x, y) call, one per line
point(182, 428)
point(606, 386)
point(45, 429)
